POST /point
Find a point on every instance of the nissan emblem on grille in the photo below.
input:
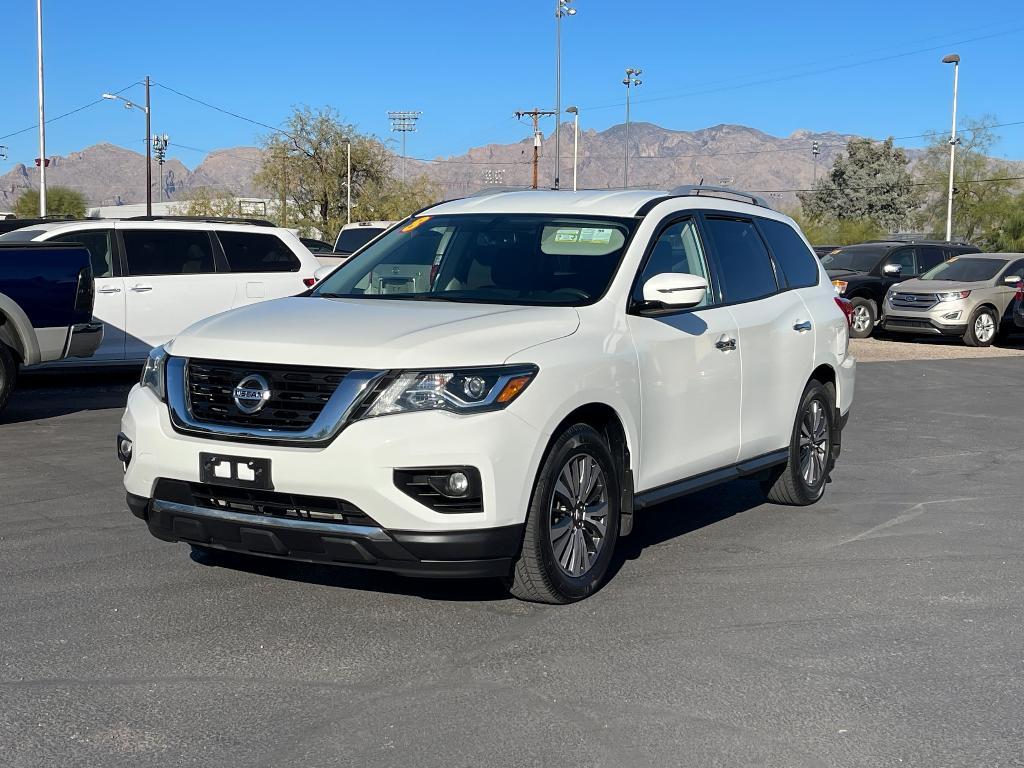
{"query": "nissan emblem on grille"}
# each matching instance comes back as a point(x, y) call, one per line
point(252, 393)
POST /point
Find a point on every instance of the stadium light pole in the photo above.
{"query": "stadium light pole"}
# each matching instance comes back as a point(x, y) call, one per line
point(562, 8)
point(42, 111)
point(128, 104)
point(631, 81)
point(575, 112)
point(953, 59)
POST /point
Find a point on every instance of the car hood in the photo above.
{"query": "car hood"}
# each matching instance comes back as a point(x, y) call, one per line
point(914, 285)
point(373, 333)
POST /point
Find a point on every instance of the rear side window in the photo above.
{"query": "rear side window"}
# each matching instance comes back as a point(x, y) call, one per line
point(797, 262)
point(351, 240)
point(168, 252)
point(97, 242)
point(257, 252)
point(929, 256)
point(745, 267)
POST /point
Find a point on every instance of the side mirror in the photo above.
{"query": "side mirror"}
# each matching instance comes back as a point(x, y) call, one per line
point(1012, 280)
point(323, 272)
point(892, 269)
point(673, 289)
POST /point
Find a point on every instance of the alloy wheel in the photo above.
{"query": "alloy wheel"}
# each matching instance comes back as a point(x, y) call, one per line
point(861, 318)
point(814, 443)
point(984, 327)
point(579, 514)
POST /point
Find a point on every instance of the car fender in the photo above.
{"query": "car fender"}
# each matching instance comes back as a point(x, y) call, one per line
point(17, 332)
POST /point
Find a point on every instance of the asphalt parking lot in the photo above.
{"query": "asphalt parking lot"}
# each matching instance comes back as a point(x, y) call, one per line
point(880, 627)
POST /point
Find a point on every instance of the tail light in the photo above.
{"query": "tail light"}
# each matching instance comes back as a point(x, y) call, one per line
point(847, 306)
point(309, 282)
point(85, 294)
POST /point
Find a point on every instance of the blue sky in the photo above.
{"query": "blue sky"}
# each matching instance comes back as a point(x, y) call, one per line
point(869, 68)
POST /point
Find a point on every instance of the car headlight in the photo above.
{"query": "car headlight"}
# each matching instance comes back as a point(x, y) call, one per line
point(153, 372)
point(952, 295)
point(459, 390)
point(840, 286)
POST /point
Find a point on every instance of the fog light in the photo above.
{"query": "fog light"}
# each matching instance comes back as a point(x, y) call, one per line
point(458, 484)
point(952, 316)
point(124, 449)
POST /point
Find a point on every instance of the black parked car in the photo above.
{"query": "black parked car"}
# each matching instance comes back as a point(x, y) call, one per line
point(864, 272)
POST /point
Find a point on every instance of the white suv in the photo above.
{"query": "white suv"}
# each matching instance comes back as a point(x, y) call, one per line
point(156, 276)
point(493, 387)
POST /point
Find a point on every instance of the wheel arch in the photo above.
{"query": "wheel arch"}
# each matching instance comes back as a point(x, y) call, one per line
point(17, 333)
point(606, 420)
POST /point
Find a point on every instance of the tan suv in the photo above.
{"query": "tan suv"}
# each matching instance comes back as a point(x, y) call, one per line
point(969, 296)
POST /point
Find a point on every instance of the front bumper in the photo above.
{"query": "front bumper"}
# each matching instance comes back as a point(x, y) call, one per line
point(83, 339)
point(487, 552)
point(921, 325)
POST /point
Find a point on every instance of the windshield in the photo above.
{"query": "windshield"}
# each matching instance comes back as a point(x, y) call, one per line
point(856, 258)
point(351, 240)
point(965, 270)
point(507, 259)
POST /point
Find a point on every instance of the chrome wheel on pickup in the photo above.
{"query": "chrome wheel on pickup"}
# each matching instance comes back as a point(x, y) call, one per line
point(573, 521)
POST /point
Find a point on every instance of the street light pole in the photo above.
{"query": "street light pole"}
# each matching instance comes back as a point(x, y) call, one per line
point(128, 104)
point(562, 8)
point(575, 112)
point(953, 59)
point(630, 81)
point(42, 111)
point(348, 182)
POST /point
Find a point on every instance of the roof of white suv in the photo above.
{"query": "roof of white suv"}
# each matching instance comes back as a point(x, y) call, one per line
point(601, 202)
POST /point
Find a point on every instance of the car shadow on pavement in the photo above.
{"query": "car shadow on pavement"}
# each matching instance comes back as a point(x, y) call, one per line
point(45, 394)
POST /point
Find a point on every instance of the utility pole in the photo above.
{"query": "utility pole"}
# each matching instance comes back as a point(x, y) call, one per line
point(160, 148)
point(42, 111)
point(562, 8)
point(404, 122)
point(953, 59)
point(149, 154)
point(631, 81)
point(815, 151)
point(536, 114)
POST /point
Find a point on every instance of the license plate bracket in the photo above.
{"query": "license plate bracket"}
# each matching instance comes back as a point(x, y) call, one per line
point(235, 471)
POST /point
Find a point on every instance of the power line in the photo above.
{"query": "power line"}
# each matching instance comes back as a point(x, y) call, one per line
point(65, 114)
point(221, 109)
point(910, 184)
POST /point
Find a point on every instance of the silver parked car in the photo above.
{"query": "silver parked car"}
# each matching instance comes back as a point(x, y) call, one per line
point(969, 296)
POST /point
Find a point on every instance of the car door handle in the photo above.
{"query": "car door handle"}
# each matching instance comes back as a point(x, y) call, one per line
point(726, 343)
point(108, 290)
point(803, 325)
point(142, 288)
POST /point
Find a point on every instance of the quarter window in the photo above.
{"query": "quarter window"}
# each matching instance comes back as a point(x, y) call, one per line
point(97, 242)
point(257, 252)
point(677, 250)
point(746, 271)
point(929, 256)
point(797, 262)
point(168, 252)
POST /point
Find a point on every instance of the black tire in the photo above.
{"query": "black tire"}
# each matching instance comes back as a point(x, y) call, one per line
point(976, 335)
point(789, 484)
point(545, 571)
point(8, 374)
point(865, 315)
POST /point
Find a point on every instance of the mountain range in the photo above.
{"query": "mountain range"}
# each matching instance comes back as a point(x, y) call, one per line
point(730, 155)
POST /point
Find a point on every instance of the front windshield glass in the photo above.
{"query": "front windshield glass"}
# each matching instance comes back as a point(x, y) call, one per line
point(856, 259)
point(540, 259)
point(965, 270)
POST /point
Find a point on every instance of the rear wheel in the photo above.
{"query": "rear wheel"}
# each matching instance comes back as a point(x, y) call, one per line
point(801, 480)
point(862, 323)
point(573, 521)
point(982, 328)
point(8, 374)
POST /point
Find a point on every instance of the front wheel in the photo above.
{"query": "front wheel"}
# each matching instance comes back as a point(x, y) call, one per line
point(862, 323)
point(8, 374)
point(572, 523)
point(801, 480)
point(982, 328)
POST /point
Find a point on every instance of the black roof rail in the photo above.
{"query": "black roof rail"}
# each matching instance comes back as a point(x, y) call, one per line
point(726, 193)
point(208, 219)
point(896, 239)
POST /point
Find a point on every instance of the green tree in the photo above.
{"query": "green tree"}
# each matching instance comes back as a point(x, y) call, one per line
point(204, 201)
point(60, 201)
point(981, 200)
point(871, 181)
point(831, 231)
point(305, 166)
point(394, 199)
point(1008, 235)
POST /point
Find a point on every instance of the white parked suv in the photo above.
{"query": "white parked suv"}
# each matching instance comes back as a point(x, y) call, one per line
point(156, 276)
point(496, 385)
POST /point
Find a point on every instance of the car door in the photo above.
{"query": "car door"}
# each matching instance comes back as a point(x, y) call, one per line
point(171, 283)
point(906, 260)
point(775, 333)
point(109, 304)
point(689, 368)
point(930, 256)
point(1007, 291)
point(263, 265)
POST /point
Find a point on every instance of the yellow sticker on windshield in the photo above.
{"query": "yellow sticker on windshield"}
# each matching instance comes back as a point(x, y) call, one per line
point(953, 259)
point(415, 223)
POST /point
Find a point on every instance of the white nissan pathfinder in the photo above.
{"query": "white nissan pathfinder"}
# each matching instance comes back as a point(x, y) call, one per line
point(494, 387)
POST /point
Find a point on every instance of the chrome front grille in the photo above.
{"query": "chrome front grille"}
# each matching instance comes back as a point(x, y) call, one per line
point(297, 394)
point(922, 301)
